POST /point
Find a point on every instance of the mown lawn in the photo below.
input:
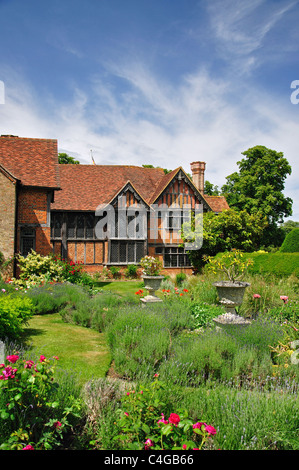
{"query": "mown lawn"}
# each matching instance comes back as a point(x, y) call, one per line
point(81, 351)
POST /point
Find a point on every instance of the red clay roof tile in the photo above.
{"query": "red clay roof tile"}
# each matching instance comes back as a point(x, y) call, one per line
point(84, 187)
point(33, 161)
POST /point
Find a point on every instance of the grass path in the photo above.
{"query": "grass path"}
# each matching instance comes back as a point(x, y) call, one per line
point(80, 350)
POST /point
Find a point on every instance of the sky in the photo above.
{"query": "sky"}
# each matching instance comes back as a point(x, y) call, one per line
point(160, 82)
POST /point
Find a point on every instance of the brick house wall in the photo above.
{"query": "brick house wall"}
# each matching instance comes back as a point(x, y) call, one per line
point(8, 186)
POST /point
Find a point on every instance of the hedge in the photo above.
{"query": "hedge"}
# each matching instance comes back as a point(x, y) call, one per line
point(278, 263)
point(291, 242)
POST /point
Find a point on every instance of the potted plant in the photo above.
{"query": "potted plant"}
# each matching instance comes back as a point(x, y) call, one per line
point(234, 266)
point(151, 269)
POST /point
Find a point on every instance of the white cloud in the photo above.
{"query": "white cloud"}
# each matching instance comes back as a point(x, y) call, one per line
point(153, 122)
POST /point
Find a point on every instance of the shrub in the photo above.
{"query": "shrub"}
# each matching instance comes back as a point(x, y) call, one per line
point(138, 341)
point(146, 423)
point(203, 314)
point(32, 417)
point(291, 242)
point(131, 271)
point(14, 313)
point(115, 271)
point(278, 264)
point(180, 278)
point(51, 297)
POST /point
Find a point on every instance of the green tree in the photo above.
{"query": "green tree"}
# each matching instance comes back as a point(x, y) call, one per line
point(210, 189)
point(258, 189)
point(289, 225)
point(225, 231)
point(65, 158)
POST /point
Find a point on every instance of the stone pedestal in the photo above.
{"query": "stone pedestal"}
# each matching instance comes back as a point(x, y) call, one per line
point(149, 300)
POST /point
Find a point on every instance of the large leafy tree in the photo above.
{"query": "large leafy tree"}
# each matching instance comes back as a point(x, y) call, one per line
point(223, 232)
point(258, 188)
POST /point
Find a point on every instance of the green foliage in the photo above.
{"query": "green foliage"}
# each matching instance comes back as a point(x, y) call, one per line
point(180, 278)
point(14, 314)
point(258, 189)
point(289, 225)
point(115, 271)
point(145, 423)
point(36, 269)
point(31, 416)
point(67, 159)
point(291, 242)
point(131, 271)
point(232, 264)
point(278, 264)
point(51, 297)
point(203, 314)
point(231, 229)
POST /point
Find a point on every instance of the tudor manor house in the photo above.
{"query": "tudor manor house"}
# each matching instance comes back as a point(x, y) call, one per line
point(51, 207)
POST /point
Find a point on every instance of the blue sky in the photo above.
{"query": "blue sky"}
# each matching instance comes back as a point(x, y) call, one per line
point(162, 82)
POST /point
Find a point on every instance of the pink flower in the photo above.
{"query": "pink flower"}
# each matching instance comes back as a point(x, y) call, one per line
point(148, 443)
point(174, 419)
point(13, 358)
point(28, 447)
point(256, 296)
point(198, 425)
point(57, 424)
point(210, 429)
point(162, 420)
point(42, 358)
point(184, 446)
point(28, 364)
point(284, 298)
point(127, 414)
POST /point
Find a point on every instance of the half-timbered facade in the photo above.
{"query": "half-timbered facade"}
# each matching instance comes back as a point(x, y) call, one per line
point(98, 215)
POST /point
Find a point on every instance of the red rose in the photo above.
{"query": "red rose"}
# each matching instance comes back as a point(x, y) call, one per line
point(174, 418)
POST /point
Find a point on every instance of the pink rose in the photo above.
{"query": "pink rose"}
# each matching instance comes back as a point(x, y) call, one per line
point(198, 425)
point(148, 443)
point(256, 296)
point(42, 358)
point(28, 447)
point(284, 298)
point(13, 358)
point(210, 429)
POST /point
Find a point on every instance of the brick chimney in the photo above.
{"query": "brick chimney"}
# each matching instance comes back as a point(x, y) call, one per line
point(198, 175)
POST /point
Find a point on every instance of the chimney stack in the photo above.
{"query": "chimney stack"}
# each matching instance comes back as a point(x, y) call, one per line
point(198, 175)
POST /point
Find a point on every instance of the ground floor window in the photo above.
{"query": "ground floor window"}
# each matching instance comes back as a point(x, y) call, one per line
point(27, 240)
point(174, 257)
point(126, 251)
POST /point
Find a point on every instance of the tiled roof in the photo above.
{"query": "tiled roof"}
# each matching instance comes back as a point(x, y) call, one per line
point(33, 161)
point(84, 187)
point(217, 203)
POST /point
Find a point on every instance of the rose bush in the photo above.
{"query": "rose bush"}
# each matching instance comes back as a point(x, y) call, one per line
point(31, 416)
point(142, 424)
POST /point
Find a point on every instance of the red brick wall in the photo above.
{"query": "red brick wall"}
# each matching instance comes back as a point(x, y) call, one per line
point(32, 211)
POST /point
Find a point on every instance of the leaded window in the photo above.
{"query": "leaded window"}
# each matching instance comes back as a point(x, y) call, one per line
point(126, 251)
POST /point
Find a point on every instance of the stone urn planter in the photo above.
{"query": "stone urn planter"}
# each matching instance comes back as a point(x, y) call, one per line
point(230, 294)
point(151, 278)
